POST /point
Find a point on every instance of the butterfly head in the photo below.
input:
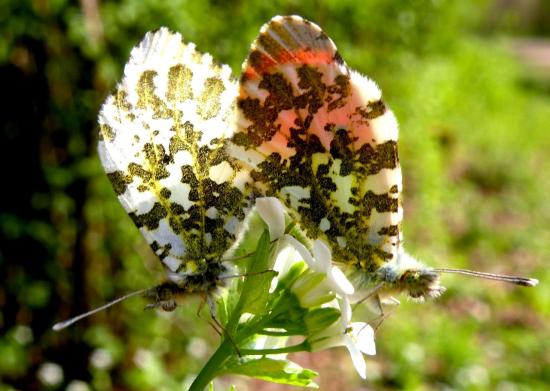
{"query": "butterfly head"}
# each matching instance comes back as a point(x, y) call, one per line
point(406, 274)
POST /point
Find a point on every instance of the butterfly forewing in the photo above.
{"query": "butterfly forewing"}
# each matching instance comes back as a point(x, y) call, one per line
point(162, 143)
point(319, 137)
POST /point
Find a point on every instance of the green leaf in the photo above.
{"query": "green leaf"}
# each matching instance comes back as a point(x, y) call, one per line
point(295, 231)
point(222, 308)
point(255, 290)
point(288, 316)
point(321, 318)
point(291, 276)
point(276, 371)
point(228, 301)
point(249, 239)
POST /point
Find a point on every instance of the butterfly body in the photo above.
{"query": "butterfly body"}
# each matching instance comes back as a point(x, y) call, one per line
point(204, 282)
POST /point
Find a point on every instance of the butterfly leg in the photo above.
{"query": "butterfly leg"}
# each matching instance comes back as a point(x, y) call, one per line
point(382, 315)
point(201, 305)
point(216, 325)
point(213, 323)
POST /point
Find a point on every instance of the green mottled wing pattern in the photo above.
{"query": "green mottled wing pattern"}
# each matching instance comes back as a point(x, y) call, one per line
point(162, 143)
point(319, 137)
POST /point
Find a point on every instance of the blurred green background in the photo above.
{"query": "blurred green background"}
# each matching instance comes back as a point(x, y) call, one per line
point(470, 84)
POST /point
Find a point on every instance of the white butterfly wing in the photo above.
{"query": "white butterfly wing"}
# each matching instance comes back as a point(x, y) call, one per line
point(162, 143)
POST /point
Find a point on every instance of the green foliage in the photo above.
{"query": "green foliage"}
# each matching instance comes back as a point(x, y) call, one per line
point(255, 328)
point(255, 288)
point(275, 371)
point(473, 143)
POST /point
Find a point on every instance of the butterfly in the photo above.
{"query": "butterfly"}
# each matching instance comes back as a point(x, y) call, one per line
point(319, 136)
point(163, 145)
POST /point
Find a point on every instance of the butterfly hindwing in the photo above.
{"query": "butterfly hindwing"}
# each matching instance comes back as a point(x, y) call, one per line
point(318, 136)
point(162, 143)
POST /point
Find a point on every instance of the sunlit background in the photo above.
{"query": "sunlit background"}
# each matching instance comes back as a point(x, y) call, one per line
point(469, 82)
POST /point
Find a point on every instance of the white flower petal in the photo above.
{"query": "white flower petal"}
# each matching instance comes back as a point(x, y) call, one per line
point(357, 337)
point(286, 257)
point(269, 342)
point(304, 252)
point(311, 290)
point(322, 256)
point(345, 310)
point(356, 357)
point(363, 334)
point(327, 340)
point(341, 283)
point(272, 212)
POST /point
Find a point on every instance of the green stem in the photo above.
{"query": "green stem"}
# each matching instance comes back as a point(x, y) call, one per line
point(301, 347)
point(209, 371)
point(277, 333)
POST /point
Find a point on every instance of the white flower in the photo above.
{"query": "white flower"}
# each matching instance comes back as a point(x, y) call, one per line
point(286, 258)
point(320, 262)
point(261, 342)
point(272, 212)
point(357, 337)
point(311, 289)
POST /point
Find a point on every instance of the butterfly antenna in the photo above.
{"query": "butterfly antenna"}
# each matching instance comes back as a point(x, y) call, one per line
point(523, 281)
point(68, 322)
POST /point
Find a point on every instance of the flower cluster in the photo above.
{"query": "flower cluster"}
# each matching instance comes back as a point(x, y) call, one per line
point(289, 291)
point(319, 286)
